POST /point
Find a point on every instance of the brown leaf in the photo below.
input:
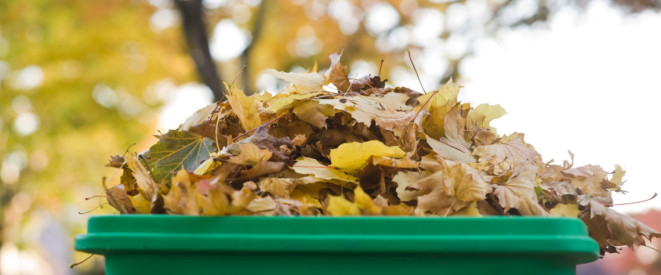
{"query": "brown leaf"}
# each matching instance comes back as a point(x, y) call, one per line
point(589, 179)
point(250, 155)
point(608, 227)
point(116, 161)
point(452, 188)
point(510, 148)
point(519, 190)
point(146, 184)
point(337, 74)
point(263, 168)
point(119, 199)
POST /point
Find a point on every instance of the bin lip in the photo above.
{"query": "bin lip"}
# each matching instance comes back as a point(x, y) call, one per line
point(565, 237)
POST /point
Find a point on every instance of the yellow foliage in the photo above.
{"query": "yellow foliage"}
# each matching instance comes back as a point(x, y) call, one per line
point(351, 157)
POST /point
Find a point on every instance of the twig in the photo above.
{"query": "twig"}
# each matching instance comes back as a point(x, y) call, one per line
point(253, 129)
point(415, 70)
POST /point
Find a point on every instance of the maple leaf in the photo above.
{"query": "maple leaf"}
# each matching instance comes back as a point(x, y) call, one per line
point(146, 184)
point(439, 106)
point(244, 107)
point(450, 150)
point(509, 148)
point(284, 100)
point(365, 109)
point(616, 179)
point(175, 150)
point(452, 188)
point(608, 227)
point(300, 82)
point(483, 114)
point(250, 154)
point(337, 74)
point(455, 127)
point(310, 166)
point(119, 199)
point(404, 179)
point(198, 117)
point(351, 157)
point(282, 187)
point(519, 190)
point(589, 179)
point(313, 113)
point(182, 197)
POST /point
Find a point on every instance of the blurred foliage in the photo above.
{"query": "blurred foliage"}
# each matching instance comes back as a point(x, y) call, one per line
point(81, 80)
point(89, 71)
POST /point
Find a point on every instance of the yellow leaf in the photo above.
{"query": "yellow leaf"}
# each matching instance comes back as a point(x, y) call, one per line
point(469, 211)
point(618, 174)
point(250, 154)
point(310, 166)
point(351, 157)
point(483, 114)
point(365, 202)
point(301, 83)
point(282, 187)
point(439, 106)
point(182, 197)
point(245, 108)
point(208, 165)
point(146, 184)
point(262, 205)
point(565, 210)
point(404, 179)
point(216, 202)
point(339, 206)
point(313, 113)
point(142, 206)
point(282, 100)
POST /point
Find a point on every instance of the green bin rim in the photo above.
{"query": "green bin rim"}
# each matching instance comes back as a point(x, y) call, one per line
point(552, 236)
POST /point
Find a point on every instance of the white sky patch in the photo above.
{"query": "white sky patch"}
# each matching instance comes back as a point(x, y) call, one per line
point(588, 84)
point(187, 99)
point(381, 17)
point(163, 18)
point(228, 40)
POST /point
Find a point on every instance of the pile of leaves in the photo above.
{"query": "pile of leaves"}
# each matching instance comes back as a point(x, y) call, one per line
point(361, 149)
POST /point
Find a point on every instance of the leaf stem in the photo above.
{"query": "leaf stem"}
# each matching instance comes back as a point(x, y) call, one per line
point(635, 202)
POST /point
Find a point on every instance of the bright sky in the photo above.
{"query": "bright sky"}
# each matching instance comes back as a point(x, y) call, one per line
point(587, 83)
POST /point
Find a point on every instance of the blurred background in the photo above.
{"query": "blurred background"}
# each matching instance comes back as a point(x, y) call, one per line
point(82, 80)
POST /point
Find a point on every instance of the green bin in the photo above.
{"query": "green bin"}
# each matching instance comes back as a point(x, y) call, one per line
point(161, 244)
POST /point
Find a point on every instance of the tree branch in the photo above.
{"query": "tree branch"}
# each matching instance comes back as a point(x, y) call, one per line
point(198, 45)
point(258, 24)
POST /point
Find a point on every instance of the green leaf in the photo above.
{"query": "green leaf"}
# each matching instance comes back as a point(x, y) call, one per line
point(176, 150)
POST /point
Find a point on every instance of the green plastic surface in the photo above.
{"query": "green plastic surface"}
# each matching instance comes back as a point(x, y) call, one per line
point(159, 244)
